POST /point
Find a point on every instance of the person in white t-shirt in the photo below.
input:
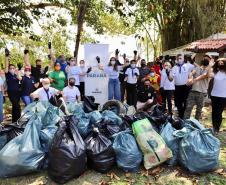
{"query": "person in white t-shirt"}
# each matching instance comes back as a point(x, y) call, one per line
point(132, 75)
point(71, 93)
point(218, 93)
point(167, 86)
point(181, 73)
point(46, 92)
point(74, 71)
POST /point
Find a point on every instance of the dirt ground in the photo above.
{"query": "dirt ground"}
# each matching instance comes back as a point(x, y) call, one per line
point(162, 175)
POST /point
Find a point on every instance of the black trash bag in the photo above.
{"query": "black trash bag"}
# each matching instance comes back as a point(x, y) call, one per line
point(12, 130)
point(109, 128)
point(115, 106)
point(67, 154)
point(176, 122)
point(89, 105)
point(157, 115)
point(101, 156)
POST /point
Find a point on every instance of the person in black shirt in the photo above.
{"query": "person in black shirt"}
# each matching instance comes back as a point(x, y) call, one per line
point(28, 86)
point(144, 71)
point(122, 77)
point(13, 87)
point(38, 72)
point(146, 96)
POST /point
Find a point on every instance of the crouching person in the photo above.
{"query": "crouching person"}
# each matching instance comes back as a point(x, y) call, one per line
point(46, 92)
point(146, 97)
point(71, 93)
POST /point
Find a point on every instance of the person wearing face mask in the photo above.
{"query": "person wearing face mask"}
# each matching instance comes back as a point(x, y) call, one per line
point(45, 93)
point(113, 84)
point(13, 87)
point(218, 93)
point(154, 79)
point(122, 77)
point(57, 77)
point(131, 77)
point(84, 71)
point(199, 79)
point(167, 87)
point(28, 86)
point(74, 71)
point(181, 73)
point(146, 96)
point(144, 71)
point(38, 71)
point(71, 93)
point(60, 60)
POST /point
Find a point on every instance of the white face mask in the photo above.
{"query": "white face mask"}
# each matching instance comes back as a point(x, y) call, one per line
point(180, 61)
point(152, 74)
point(27, 73)
point(133, 65)
point(82, 65)
point(46, 86)
point(72, 63)
point(12, 71)
point(113, 62)
point(166, 67)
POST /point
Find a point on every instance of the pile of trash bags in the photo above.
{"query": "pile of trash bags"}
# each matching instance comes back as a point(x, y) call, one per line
point(45, 137)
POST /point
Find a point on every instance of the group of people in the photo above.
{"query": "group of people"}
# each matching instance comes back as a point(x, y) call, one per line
point(135, 81)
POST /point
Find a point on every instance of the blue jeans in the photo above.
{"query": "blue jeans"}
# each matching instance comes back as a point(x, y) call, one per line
point(27, 100)
point(1, 106)
point(114, 89)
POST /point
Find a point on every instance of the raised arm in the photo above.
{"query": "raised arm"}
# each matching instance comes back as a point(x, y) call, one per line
point(26, 57)
point(51, 56)
point(7, 58)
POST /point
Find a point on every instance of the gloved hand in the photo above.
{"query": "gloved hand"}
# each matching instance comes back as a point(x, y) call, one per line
point(7, 52)
point(49, 45)
point(19, 66)
point(89, 70)
point(136, 74)
point(167, 72)
point(116, 52)
point(98, 59)
point(26, 51)
point(135, 52)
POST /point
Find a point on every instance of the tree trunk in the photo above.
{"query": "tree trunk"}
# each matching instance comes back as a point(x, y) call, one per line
point(80, 21)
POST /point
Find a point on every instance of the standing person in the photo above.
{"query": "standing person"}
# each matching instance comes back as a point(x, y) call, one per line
point(13, 87)
point(28, 86)
point(71, 93)
point(84, 71)
point(132, 74)
point(218, 94)
point(38, 71)
point(73, 71)
point(45, 92)
point(2, 90)
point(199, 81)
point(122, 77)
point(181, 73)
point(167, 86)
point(158, 65)
point(144, 71)
point(113, 84)
point(61, 59)
point(57, 77)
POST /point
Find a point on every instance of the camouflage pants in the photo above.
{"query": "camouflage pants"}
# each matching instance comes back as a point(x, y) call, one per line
point(194, 98)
